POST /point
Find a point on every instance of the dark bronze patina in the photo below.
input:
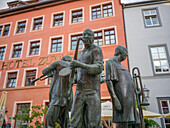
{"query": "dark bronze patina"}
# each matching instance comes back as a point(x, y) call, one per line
point(121, 89)
point(86, 109)
point(60, 96)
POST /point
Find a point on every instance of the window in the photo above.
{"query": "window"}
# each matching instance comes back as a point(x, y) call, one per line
point(159, 59)
point(165, 107)
point(20, 108)
point(109, 36)
point(21, 27)
point(34, 48)
point(151, 17)
point(104, 37)
point(107, 10)
point(2, 52)
point(1, 30)
point(17, 51)
point(98, 39)
point(37, 25)
point(96, 12)
point(30, 75)
point(77, 16)
point(50, 80)
point(58, 19)
point(4, 30)
point(12, 78)
point(74, 41)
point(56, 45)
point(103, 10)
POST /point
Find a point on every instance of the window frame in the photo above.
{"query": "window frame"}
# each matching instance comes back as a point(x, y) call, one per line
point(32, 23)
point(44, 105)
point(50, 44)
point(24, 76)
point(103, 36)
point(7, 85)
point(12, 47)
point(34, 48)
point(98, 36)
point(76, 9)
point(159, 99)
point(96, 30)
point(52, 19)
point(15, 110)
point(109, 36)
point(24, 106)
point(29, 46)
point(28, 76)
point(48, 83)
point(70, 44)
point(101, 6)
point(16, 26)
point(6, 78)
point(151, 59)
point(3, 25)
point(158, 16)
point(107, 9)
point(5, 45)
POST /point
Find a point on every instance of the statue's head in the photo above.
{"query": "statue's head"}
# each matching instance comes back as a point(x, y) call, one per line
point(66, 58)
point(122, 51)
point(88, 36)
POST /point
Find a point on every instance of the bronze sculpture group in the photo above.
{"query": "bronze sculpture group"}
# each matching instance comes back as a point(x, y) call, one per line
point(86, 107)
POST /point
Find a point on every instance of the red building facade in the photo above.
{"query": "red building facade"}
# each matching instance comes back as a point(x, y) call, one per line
point(35, 35)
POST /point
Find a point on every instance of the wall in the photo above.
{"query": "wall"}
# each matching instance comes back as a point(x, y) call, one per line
point(138, 40)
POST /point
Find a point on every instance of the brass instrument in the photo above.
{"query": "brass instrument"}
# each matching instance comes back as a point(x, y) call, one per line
point(64, 72)
point(67, 70)
point(39, 78)
point(139, 93)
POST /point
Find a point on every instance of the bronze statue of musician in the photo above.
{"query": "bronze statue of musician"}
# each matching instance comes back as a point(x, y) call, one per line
point(86, 109)
point(60, 95)
point(121, 89)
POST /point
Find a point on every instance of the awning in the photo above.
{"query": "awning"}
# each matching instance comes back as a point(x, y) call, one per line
point(2, 107)
point(167, 115)
point(106, 110)
point(149, 114)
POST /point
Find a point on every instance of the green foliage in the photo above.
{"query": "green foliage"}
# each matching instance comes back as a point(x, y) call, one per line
point(36, 116)
point(57, 125)
point(150, 123)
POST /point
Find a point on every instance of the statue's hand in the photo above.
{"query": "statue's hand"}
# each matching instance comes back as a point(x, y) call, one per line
point(117, 104)
point(75, 64)
point(50, 74)
point(44, 71)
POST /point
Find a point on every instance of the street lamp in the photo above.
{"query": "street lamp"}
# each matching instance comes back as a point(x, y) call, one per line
point(146, 97)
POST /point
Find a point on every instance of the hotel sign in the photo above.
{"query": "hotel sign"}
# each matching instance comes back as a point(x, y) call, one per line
point(30, 62)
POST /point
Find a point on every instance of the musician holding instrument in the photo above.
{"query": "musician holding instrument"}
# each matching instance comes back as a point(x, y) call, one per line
point(60, 96)
point(86, 109)
point(121, 89)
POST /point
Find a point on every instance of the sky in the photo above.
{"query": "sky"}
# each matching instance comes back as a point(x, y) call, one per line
point(3, 3)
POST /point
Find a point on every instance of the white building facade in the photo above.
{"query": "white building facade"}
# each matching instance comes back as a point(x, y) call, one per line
point(147, 25)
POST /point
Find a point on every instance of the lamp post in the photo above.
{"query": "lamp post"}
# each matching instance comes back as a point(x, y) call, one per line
point(142, 94)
